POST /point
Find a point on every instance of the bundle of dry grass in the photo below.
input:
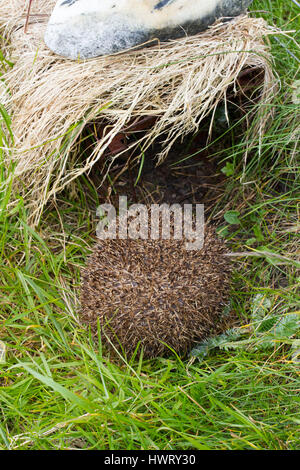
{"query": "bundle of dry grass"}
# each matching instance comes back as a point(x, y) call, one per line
point(155, 293)
point(52, 99)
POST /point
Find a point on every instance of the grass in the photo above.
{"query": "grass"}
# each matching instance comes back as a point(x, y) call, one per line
point(57, 391)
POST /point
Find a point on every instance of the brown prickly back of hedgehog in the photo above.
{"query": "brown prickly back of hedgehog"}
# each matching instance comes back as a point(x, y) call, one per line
point(155, 293)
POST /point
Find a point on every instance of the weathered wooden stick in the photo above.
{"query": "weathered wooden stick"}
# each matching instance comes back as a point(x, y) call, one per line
point(28, 16)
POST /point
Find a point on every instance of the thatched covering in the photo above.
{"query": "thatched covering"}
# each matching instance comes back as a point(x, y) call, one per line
point(51, 99)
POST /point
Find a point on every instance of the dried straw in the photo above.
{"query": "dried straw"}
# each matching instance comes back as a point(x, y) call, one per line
point(52, 99)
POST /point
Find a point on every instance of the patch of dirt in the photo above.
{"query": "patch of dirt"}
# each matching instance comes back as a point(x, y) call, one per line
point(187, 176)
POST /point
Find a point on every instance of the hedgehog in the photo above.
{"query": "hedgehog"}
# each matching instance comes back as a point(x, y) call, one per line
point(155, 294)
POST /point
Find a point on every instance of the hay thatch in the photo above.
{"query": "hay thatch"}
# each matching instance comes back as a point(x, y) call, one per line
point(51, 99)
point(155, 293)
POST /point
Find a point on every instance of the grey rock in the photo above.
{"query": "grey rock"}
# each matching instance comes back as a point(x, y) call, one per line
point(89, 28)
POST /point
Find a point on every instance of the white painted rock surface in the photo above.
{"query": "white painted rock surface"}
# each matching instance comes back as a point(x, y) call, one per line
point(90, 28)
